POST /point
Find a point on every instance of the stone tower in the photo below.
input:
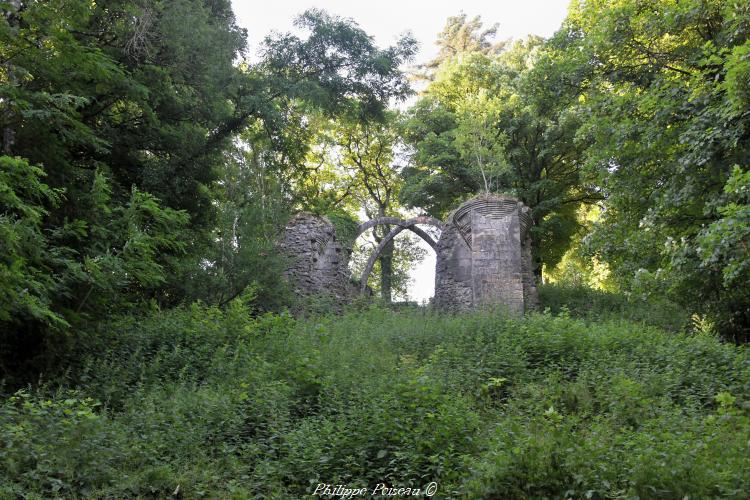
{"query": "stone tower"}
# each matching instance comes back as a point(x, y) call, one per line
point(318, 264)
point(484, 256)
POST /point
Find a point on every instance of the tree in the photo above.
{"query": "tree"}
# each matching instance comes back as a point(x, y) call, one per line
point(352, 169)
point(88, 119)
point(337, 67)
point(367, 151)
point(502, 123)
point(464, 36)
point(251, 212)
point(664, 98)
point(477, 140)
point(114, 103)
point(124, 112)
point(334, 80)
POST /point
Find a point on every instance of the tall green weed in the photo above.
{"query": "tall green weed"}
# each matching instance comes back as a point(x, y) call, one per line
point(222, 404)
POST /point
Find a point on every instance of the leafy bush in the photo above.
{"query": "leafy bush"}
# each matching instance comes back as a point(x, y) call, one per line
point(220, 403)
point(346, 227)
point(585, 302)
point(121, 256)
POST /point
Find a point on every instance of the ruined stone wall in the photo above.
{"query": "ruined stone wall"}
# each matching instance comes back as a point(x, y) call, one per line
point(453, 285)
point(530, 293)
point(484, 257)
point(318, 264)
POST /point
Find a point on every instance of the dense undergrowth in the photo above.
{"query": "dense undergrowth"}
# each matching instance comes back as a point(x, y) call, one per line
point(597, 305)
point(201, 402)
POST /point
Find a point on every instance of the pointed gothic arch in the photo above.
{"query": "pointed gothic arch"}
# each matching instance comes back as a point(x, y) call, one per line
point(401, 225)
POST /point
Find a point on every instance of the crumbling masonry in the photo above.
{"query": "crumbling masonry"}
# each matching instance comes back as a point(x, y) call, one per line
point(483, 255)
point(318, 264)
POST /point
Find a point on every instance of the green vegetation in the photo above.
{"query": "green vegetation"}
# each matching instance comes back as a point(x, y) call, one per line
point(147, 166)
point(163, 167)
point(225, 405)
point(597, 305)
point(637, 107)
point(158, 170)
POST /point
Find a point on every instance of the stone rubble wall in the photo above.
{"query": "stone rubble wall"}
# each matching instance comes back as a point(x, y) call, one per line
point(318, 263)
point(453, 285)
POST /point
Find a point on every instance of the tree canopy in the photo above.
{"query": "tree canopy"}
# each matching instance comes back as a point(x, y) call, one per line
point(663, 93)
point(492, 123)
point(147, 163)
point(153, 344)
point(118, 124)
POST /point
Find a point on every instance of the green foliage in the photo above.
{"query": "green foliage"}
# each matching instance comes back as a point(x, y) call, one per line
point(346, 227)
point(641, 107)
point(338, 61)
point(462, 35)
point(723, 245)
point(142, 167)
point(724, 242)
point(662, 89)
point(46, 282)
point(61, 458)
point(486, 405)
point(142, 100)
point(351, 169)
point(125, 253)
point(114, 105)
point(580, 301)
point(738, 76)
point(127, 110)
point(242, 260)
point(501, 123)
point(27, 284)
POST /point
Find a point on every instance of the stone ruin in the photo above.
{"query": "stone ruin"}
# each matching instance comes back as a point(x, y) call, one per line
point(483, 255)
point(318, 263)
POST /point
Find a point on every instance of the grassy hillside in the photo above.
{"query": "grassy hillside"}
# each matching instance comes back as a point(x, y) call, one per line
point(204, 403)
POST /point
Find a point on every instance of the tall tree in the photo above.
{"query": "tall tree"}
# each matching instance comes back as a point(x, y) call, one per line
point(115, 118)
point(352, 169)
point(462, 35)
point(499, 124)
point(104, 110)
point(665, 98)
point(367, 150)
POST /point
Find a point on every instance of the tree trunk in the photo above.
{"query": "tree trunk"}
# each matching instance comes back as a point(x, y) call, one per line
point(386, 271)
point(8, 135)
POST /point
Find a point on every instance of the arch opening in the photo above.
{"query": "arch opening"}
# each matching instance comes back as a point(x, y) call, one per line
point(400, 226)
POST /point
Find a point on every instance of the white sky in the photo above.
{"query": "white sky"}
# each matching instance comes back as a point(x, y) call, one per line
point(387, 19)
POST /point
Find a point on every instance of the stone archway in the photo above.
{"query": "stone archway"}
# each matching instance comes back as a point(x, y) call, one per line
point(395, 221)
point(401, 225)
point(483, 255)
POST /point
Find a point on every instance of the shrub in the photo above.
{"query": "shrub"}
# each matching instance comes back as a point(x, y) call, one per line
point(585, 302)
point(219, 403)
